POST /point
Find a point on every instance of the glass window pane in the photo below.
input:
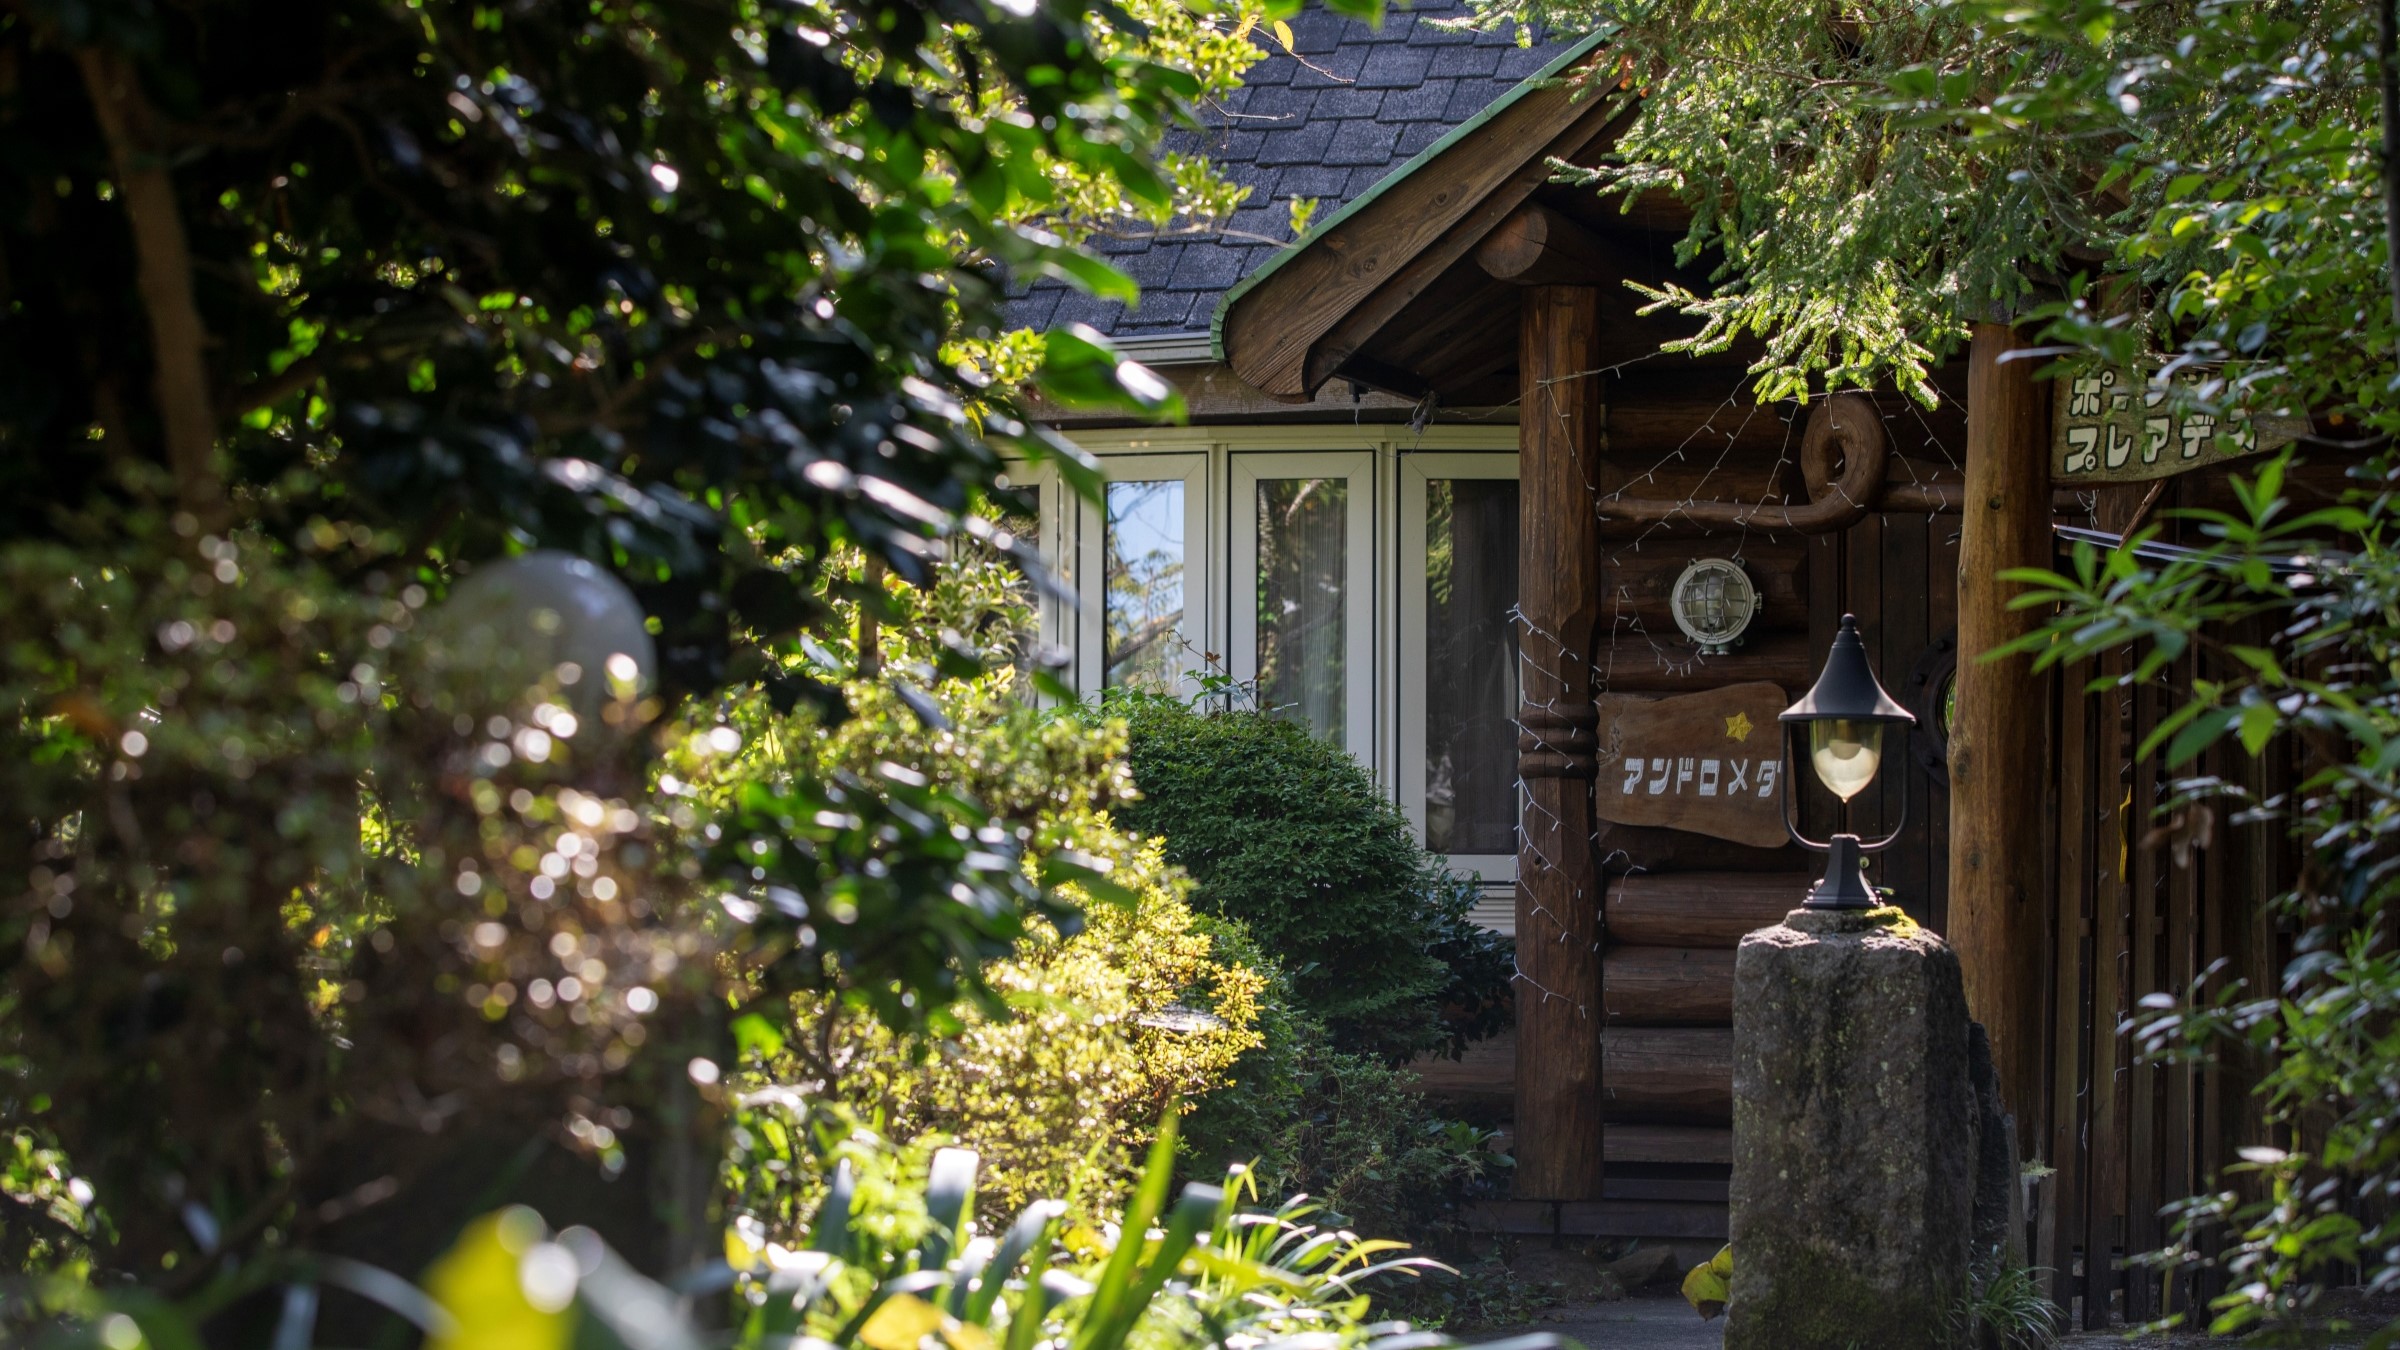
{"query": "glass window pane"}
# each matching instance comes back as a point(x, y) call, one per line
point(1470, 666)
point(1143, 611)
point(1303, 529)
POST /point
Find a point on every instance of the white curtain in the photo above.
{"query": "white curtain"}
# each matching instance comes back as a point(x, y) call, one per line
point(1303, 614)
point(1471, 666)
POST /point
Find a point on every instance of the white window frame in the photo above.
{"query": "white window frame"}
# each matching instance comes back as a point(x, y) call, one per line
point(1357, 469)
point(1417, 472)
point(1199, 570)
point(1059, 517)
point(1220, 597)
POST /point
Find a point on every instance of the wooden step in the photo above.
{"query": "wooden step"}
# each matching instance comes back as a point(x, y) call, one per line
point(1633, 1143)
point(1710, 1190)
point(1637, 1145)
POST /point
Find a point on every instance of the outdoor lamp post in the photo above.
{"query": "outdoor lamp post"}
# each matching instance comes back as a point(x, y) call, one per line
point(1844, 717)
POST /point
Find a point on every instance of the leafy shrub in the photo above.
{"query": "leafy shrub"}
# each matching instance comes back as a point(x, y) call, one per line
point(1476, 1000)
point(1317, 880)
point(1289, 835)
point(1096, 1019)
point(879, 1254)
point(1103, 1032)
point(890, 1253)
point(1346, 1128)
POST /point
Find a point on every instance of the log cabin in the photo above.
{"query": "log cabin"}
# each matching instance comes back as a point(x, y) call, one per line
point(1443, 497)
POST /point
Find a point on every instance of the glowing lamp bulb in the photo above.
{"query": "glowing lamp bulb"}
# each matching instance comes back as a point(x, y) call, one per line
point(1845, 754)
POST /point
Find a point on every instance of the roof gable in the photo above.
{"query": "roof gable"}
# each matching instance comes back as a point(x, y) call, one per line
point(1330, 121)
point(1306, 315)
point(1559, 60)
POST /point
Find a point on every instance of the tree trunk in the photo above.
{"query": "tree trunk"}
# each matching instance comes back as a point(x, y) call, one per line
point(163, 274)
point(1997, 740)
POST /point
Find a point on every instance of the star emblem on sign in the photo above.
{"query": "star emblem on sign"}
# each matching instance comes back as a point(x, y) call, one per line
point(1737, 727)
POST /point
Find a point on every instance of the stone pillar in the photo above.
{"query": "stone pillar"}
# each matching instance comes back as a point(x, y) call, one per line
point(1855, 1125)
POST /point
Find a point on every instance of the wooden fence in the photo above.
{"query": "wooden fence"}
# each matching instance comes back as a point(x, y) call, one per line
point(2143, 901)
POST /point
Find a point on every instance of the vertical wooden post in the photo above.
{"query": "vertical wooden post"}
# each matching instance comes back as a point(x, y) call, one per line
point(1558, 1122)
point(1997, 919)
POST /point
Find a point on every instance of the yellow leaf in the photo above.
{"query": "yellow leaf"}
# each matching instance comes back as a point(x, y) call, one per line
point(1249, 21)
point(480, 1282)
point(745, 1244)
point(965, 1335)
point(1708, 1285)
point(1283, 34)
point(902, 1321)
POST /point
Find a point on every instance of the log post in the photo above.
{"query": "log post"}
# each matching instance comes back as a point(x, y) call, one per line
point(1558, 1126)
point(1997, 740)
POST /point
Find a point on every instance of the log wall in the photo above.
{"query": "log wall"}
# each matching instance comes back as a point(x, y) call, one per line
point(1676, 904)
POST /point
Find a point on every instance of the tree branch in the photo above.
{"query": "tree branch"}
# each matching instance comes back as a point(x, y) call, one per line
point(163, 274)
point(275, 389)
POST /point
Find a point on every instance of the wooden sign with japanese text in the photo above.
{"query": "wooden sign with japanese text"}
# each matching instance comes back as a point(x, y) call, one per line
point(1711, 763)
point(2115, 426)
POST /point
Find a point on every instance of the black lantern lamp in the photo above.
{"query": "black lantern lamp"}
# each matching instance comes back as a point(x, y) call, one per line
point(1844, 717)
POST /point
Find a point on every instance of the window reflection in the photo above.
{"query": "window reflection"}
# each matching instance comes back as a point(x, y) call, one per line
point(1470, 666)
point(1143, 611)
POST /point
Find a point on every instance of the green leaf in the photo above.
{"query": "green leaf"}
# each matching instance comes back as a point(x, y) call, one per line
point(1089, 874)
point(2202, 732)
point(2259, 721)
point(479, 1284)
point(949, 1192)
point(1088, 274)
point(758, 1038)
point(831, 1234)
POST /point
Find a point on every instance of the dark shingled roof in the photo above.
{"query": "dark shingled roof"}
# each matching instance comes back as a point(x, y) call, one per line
point(1354, 105)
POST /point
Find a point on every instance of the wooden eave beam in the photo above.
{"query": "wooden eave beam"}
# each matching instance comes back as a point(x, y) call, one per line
point(1375, 311)
point(1537, 246)
point(1384, 377)
point(1289, 334)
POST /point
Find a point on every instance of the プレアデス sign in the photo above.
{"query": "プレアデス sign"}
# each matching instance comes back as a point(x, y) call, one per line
point(2116, 426)
point(1711, 763)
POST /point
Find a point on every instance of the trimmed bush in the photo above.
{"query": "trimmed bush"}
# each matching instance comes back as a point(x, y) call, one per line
point(1289, 835)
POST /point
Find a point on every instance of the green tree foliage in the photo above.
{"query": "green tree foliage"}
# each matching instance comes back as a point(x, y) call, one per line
point(1104, 1031)
point(2292, 615)
point(1868, 180)
point(312, 310)
point(1289, 835)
